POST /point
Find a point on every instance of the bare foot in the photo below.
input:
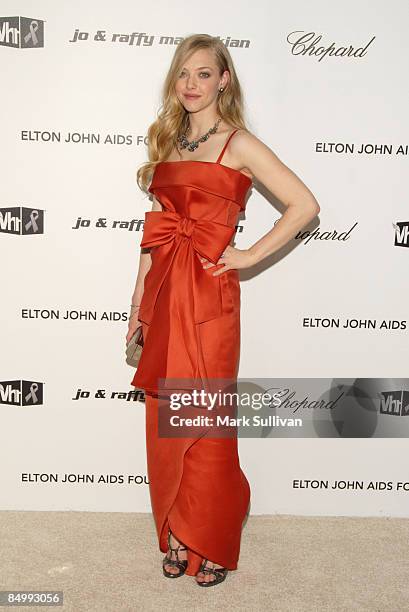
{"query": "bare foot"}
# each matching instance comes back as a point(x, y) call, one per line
point(182, 555)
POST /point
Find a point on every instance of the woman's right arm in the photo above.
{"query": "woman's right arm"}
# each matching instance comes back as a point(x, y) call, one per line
point(145, 263)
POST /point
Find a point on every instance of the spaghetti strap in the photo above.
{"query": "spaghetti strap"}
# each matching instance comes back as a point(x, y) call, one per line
point(225, 145)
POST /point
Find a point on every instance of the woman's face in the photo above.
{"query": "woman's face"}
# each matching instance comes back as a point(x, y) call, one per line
point(198, 82)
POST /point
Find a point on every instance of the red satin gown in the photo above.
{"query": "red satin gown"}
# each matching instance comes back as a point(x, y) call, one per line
point(191, 328)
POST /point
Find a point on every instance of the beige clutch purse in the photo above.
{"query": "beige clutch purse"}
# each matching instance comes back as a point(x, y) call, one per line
point(134, 348)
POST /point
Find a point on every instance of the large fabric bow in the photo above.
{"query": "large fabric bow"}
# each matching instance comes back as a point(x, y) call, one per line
point(184, 237)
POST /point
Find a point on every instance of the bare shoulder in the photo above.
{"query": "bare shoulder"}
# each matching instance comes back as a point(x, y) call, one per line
point(254, 154)
point(244, 144)
point(245, 147)
point(233, 156)
point(264, 165)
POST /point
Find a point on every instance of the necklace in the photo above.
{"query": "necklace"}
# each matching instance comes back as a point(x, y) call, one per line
point(191, 146)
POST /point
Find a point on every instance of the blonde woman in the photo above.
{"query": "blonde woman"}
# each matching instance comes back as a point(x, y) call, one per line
point(202, 160)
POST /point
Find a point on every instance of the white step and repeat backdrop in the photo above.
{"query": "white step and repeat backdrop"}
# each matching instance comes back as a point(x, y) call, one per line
point(327, 318)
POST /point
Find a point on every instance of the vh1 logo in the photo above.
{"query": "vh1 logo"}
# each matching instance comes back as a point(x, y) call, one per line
point(21, 221)
point(21, 392)
point(395, 403)
point(21, 32)
point(401, 233)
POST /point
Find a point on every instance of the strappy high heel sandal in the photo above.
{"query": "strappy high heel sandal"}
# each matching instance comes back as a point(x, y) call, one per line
point(181, 565)
point(220, 574)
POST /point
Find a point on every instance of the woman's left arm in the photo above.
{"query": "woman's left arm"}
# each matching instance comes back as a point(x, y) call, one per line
point(284, 184)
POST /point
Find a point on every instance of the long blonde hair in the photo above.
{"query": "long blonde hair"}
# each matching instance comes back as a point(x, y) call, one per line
point(172, 120)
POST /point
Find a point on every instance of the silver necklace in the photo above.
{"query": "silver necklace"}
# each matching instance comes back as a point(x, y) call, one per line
point(191, 146)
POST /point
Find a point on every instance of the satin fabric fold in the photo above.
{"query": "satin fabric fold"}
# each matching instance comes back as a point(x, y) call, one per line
point(198, 490)
point(173, 231)
point(179, 294)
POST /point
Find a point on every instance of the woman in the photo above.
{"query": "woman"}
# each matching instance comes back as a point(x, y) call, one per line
point(187, 296)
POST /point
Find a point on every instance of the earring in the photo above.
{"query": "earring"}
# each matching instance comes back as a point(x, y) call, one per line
point(221, 89)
